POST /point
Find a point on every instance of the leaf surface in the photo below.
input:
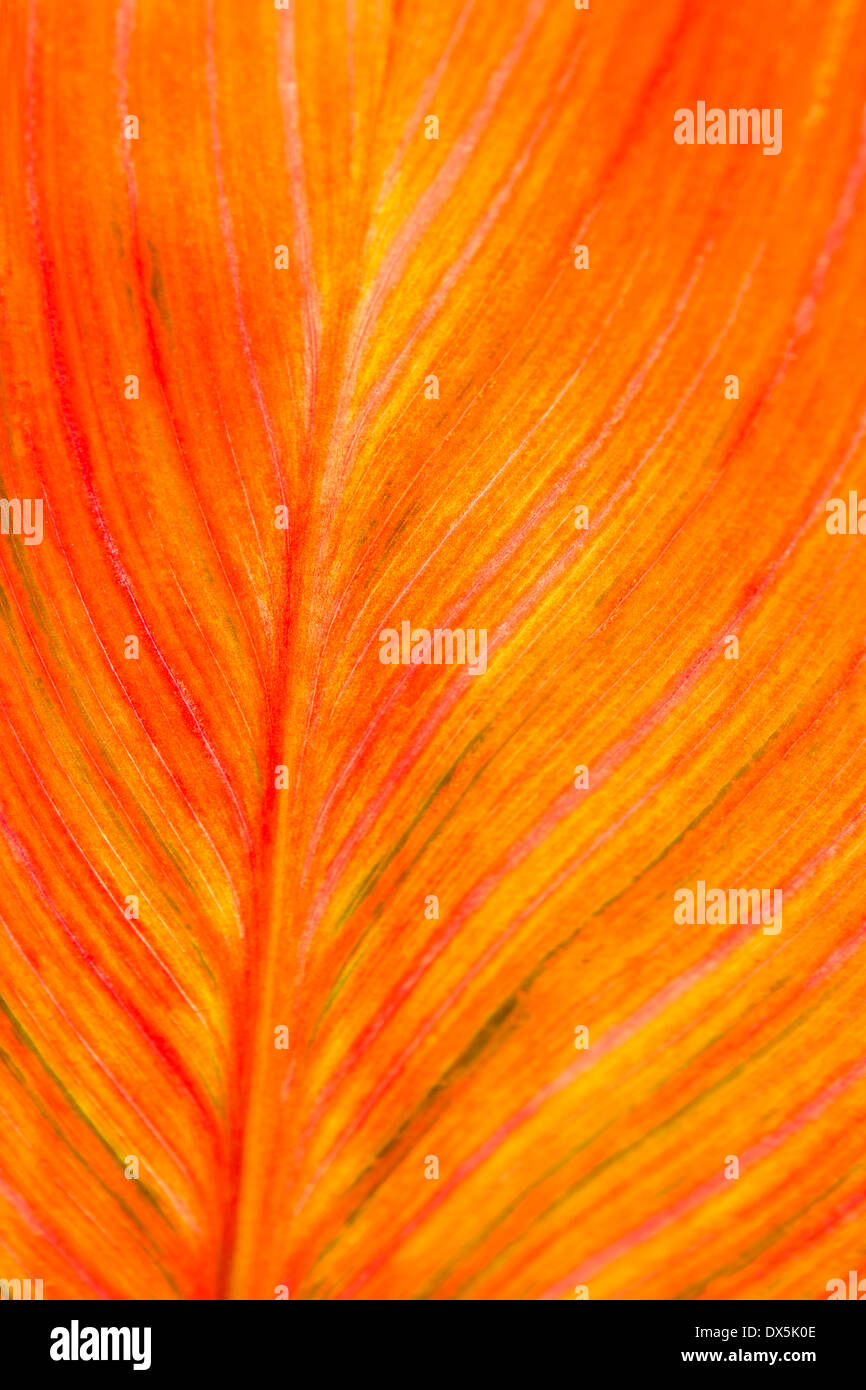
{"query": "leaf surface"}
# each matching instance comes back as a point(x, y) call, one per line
point(281, 804)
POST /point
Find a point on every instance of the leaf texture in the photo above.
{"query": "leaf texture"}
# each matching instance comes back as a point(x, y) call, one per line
point(283, 805)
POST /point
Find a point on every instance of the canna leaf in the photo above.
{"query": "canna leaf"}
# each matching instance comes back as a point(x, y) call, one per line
point(335, 974)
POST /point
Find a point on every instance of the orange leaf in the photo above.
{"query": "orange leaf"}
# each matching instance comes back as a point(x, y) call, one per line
point(342, 957)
